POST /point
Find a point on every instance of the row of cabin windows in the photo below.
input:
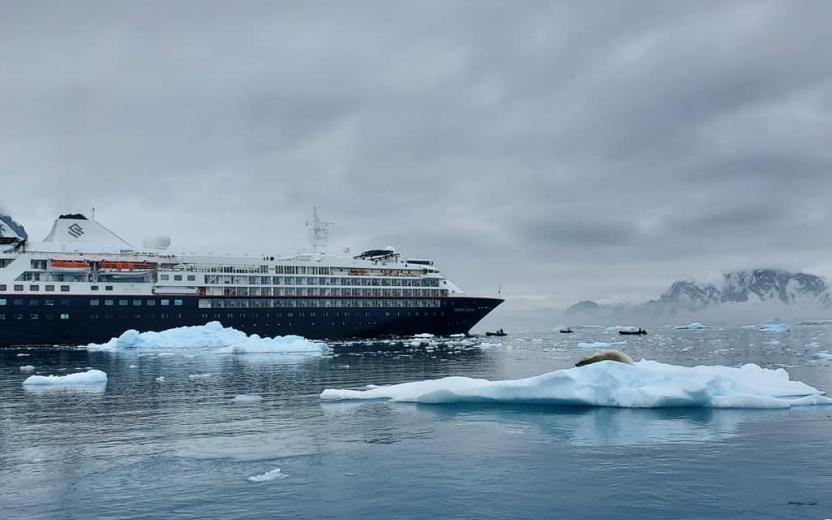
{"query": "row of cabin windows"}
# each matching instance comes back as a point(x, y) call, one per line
point(315, 280)
point(33, 302)
point(312, 302)
point(327, 291)
point(49, 288)
point(177, 277)
point(134, 303)
point(96, 316)
point(35, 316)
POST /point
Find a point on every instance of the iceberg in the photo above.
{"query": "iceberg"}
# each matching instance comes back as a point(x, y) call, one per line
point(691, 326)
point(774, 327)
point(247, 398)
point(269, 475)
point(601, 344)
point(646, 384)
point(88, 378)
point(214, 336)
point(619, 328)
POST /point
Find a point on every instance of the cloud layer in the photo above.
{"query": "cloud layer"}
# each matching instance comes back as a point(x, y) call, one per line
point(564, 150)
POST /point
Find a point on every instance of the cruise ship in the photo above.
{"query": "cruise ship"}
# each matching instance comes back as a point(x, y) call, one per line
point(85, 284)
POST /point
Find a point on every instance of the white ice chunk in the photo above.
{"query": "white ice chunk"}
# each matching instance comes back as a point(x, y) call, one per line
point(195, 377)
point(823, 355)
point(774, 327)
point(647, 384)
point(601, 344)
point(247, 398)
point(691, 326)
point(212, 336)
point(269, 475)
point(22, 355)
point(619, 328)
point(27, 368)
point(91, 378)
point(160, 379)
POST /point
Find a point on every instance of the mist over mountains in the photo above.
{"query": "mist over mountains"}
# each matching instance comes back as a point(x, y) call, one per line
point(745, 294)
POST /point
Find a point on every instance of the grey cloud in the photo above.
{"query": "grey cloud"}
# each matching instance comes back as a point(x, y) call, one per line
point(564, 150)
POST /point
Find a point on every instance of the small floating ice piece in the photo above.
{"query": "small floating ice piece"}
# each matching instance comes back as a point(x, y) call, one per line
point(160, 379)
point(22, 355)
point(195, 377)
point(823, 355)
point(269, 475)
point(774, 327)
point(423, 335)
point(691, 326)
point(27, 368)
point(647, 384)
point(247, 398)
point(89, 378)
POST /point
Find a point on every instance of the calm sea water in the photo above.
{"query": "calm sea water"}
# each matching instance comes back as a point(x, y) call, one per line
point(182, 448)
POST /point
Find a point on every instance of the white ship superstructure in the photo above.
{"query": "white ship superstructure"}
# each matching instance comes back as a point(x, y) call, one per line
point(83, 278)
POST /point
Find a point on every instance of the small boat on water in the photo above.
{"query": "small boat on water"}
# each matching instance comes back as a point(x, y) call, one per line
point(567, 330)
point(500, 332)
point(639, 332)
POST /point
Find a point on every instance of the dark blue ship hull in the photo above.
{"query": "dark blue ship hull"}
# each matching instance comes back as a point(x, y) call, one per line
point(74, 320)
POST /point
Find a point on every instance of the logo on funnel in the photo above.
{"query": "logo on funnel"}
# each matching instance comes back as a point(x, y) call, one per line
point(75, 230)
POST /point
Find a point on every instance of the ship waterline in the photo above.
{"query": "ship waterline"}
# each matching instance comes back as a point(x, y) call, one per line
point(85, 284)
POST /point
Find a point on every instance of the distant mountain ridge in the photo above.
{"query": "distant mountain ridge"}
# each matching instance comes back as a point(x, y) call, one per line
point(755, 285)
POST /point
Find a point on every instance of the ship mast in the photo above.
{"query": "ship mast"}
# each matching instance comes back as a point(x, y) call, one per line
point(318, 232)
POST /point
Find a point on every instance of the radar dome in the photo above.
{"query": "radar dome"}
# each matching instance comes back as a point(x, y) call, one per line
point(156, 242)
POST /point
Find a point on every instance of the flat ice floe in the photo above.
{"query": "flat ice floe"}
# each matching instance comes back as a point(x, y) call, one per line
point(647, 384)
point(691, 326)
point(213, 336)
point(620, 328)
point(269, 475)
point(88, 378)
point(774, 327)
point(247, 398)
point(601, 344)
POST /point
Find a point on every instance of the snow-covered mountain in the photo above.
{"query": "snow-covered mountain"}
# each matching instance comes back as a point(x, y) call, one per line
point(749, 286)
point(10, 229)
point(754, 285)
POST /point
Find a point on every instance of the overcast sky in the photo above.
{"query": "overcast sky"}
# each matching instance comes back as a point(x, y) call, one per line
point(564, 150)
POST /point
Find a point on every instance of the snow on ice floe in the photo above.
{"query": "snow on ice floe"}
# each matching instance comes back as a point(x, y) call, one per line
point(214, 336)
point(620, 328)
point(79, 379)
point(774, 327)
point(647, 384)
point(601, 344)
point(269, 475)
point(247, 398)
point(691, 326)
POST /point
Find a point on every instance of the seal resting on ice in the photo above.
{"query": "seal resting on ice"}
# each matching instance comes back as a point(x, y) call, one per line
point(606, 355)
